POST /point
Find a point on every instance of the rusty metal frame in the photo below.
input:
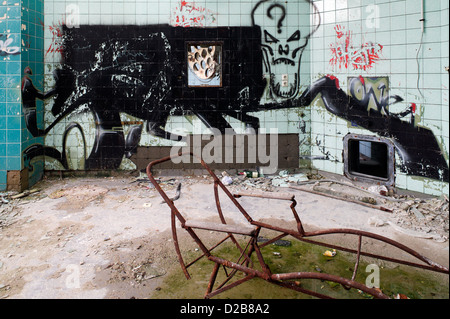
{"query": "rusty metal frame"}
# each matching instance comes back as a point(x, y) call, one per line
point(245, 264)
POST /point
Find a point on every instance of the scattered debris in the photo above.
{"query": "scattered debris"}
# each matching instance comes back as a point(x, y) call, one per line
point(417, 213)
point(25, 193)
point(340, 192)
point(284, 179)
point(4, 288)
point(240, 182)
point(347, 185)
point(378, 189)
point(360, 202)
point(329, 253)
point(412, 233)
point(139, 266)
point(227, 180)
point(420, 216)
point(8, 214)
point(250, 174)
point(86, 193)
point(145, 272)
point(426, 218)
point(3, 200)
point(376, 221)
point(279, 242)
point(314, 176)
point(141, 272)
point(282, 242)
point(177, 194)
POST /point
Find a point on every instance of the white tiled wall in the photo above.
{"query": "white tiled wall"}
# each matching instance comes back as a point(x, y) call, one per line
point(393, 24)
point(415, 67)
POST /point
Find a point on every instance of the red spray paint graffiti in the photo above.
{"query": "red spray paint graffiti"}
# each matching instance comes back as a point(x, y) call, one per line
point(345, 55)
point(187, 14)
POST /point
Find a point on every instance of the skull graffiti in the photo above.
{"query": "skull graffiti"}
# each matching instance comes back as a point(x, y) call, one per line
point(282, 45)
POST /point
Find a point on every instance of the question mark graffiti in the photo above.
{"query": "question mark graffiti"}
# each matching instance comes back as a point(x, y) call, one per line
point(280, 21)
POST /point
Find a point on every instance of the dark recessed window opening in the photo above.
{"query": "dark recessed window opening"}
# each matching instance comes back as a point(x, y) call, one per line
point(369, 158)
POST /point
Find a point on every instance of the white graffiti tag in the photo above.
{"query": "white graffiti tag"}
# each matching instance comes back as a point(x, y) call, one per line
point(5, 49)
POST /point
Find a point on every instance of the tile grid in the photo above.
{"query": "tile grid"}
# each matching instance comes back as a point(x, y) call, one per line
point(10, 134)
point(393, 24)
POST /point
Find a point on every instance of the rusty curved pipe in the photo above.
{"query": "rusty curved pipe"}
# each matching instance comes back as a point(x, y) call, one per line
point(343, 281)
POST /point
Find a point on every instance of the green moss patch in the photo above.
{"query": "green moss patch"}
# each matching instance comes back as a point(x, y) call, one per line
point(299, 256)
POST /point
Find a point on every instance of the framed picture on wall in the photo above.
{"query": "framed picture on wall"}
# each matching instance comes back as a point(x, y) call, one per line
point(204, 64)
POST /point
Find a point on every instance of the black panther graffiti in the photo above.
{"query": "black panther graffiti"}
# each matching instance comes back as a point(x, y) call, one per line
point(143, 71)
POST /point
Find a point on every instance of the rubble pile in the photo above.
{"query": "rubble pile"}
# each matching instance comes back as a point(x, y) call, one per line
point(426, 216)
point(259, 183)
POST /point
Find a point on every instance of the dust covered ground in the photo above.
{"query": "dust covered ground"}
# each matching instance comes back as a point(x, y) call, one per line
point(109, 237)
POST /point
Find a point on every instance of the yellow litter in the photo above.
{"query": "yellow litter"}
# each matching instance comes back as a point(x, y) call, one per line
point(330, 253)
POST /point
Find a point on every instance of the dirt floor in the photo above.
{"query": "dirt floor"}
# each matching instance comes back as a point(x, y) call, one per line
point(109, 237)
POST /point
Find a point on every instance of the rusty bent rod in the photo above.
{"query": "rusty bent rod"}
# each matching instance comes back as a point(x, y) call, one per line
point(252, 229)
